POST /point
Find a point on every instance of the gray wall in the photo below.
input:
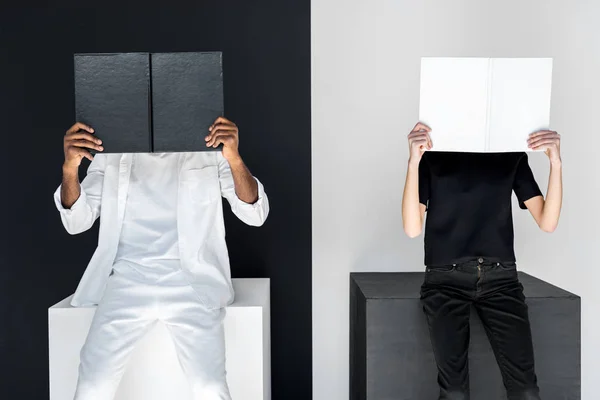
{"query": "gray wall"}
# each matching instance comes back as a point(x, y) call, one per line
point(365, 92)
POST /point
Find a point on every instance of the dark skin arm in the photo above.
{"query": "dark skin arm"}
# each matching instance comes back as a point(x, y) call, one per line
point(77, 142)
point(225, 132)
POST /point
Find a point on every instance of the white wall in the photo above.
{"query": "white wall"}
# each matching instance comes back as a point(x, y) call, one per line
point(365, 92)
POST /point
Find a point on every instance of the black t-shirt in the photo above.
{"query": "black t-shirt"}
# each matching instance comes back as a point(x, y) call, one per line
point(469, 209)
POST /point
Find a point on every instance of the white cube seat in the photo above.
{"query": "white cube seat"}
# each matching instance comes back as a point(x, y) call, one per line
point(153, 372)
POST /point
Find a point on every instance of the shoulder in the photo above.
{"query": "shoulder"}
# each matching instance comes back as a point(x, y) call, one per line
point(520, 157)
point(511, 158)
point(430, 157)
point(440, 157)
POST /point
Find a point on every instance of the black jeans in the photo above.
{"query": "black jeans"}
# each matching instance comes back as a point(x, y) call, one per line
point(494, 289)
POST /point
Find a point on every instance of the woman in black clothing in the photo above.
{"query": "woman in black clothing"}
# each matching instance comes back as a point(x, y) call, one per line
point(469, 254)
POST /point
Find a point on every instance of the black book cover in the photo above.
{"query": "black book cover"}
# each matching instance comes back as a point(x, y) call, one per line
point(112, 95)
point(187, 97)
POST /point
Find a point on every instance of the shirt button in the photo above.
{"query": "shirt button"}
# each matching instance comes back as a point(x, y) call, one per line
point(480, 260)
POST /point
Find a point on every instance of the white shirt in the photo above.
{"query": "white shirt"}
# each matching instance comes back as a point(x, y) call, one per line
point(148, 246)
point(202, 179)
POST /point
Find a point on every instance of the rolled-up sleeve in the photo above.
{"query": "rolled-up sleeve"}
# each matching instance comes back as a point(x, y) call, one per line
point(424, 182)
point(525, 185)
point(84, 212)
point(251, 214)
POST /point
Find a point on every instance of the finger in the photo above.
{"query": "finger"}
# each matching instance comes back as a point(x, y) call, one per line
point(422, 144)
point(217, 142)
point(84, 154)
point(217, 137)
point(78, 126)
point(221, 138)
point(417, 134)
point(543, 137)
point(419, 142)
point(211, 136)
point(83, 136)
point(429, 141)
point(224, 126)
point(86, 144)
point(544, 144)
point(221, 127)
point(221, 120)
point(541, 132)
point(421, 127)
point(224, 140)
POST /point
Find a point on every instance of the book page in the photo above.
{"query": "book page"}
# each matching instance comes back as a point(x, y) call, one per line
point(520, 101)
point(453, 102)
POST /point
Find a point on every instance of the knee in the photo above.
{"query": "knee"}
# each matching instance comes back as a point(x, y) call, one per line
point(95, 372)
point(96, 380)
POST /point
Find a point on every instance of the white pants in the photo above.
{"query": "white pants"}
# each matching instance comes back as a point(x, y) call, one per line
point(127, 311)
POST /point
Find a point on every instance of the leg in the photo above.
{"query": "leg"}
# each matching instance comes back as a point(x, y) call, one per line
point(199, 340)
point(447, 312)
point(504, 314)
point(120, 321)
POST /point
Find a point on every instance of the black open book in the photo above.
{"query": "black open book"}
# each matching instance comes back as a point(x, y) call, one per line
point(149, 102)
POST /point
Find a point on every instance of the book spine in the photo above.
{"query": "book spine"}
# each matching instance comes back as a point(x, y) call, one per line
point(150, 119)
point(222, 84)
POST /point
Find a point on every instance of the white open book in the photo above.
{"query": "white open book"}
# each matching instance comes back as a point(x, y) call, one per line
point(484, 104)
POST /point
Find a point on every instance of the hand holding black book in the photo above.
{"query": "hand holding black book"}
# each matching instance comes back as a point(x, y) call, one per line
point(149, 102)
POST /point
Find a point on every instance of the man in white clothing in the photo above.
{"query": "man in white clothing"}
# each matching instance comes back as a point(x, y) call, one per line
point(161, 252)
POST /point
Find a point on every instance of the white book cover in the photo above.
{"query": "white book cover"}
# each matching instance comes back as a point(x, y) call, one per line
point(484, 104)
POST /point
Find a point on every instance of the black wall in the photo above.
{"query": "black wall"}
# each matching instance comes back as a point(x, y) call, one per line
point(266, 46)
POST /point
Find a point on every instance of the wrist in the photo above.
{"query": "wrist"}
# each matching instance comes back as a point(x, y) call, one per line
point(557, 163)
point(69, 169)
point(413, 163)
point(235, 161)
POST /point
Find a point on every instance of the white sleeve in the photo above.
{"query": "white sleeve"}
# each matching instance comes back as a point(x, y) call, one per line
point(82, 214)
point(251, 214)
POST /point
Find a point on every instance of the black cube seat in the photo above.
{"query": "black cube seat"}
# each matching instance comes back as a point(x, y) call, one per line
point(391, 356)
